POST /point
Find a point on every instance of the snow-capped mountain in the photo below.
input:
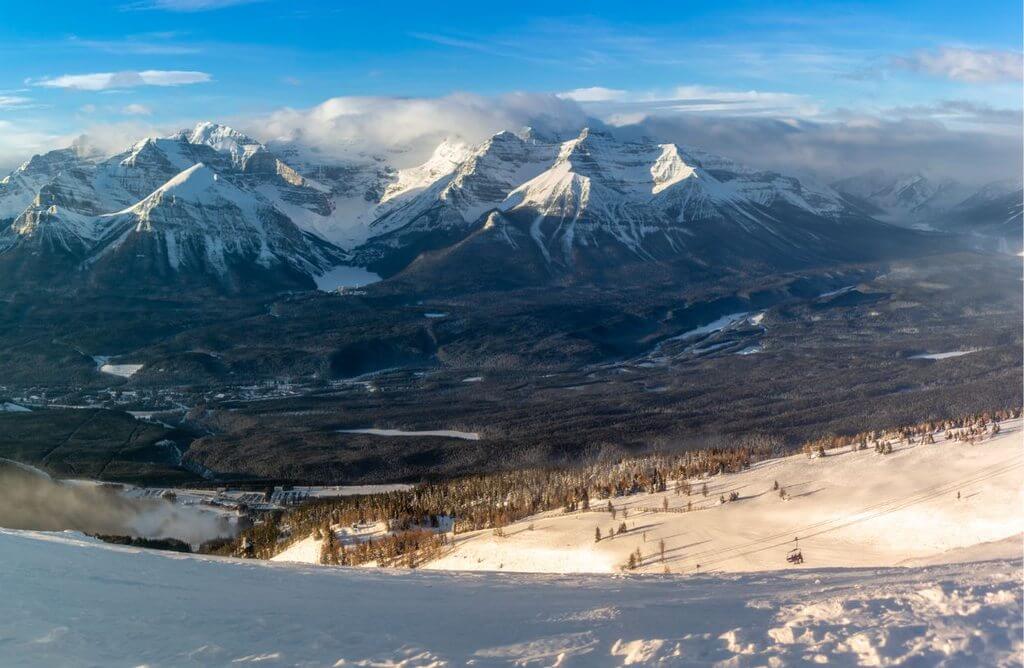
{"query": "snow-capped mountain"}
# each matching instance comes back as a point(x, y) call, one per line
point(917, 198)
point(199, 223)
point(994, 212)
point(20, 187)
point(991, 212)
point(202, 205)
point(595, 201)
point(547, 206)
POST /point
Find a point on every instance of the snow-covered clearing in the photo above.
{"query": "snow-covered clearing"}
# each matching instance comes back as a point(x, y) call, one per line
point(344, 276)
point(849, 509)
point(8, 407)
point(448, 433)
point(307, 550)
point(165, 609)
point(122, 370)
point(942, 356)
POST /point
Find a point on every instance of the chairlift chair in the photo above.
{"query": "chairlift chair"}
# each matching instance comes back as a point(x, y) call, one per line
point(795, 556)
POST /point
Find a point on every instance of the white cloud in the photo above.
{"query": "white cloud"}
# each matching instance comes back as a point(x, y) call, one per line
point(593, 94)
point(14, 101)
point(136, 109)
point(128, 79)
point(965, 140)
point(843, 146)
point(967, 65)
point(19, 142)
point(342, 125)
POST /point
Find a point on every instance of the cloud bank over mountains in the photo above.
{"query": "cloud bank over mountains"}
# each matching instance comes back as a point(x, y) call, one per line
point(765, 129)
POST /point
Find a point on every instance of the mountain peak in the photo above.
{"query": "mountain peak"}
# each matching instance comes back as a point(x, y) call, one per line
point(191, 183)
point(223, 139)
point(211, 134)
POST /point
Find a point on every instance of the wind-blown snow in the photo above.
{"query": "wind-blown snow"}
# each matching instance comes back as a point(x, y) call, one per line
point(164, 609)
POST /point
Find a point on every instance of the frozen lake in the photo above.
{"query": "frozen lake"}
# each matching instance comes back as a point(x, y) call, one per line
point(942, 356)
point(344, 276)
point(448, 433)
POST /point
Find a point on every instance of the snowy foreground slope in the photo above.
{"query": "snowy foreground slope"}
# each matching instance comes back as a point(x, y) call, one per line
point(849, 509)
point(72, 601)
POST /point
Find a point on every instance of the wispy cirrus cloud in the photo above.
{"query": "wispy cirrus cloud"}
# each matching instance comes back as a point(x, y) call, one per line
point(14, 101)
point(186, 5)
point(129, 79)
point(620, 107)
point(150, 44)
point(965, 65)
point(962, 112)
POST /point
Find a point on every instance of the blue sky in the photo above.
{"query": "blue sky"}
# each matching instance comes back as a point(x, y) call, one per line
point(176, 61)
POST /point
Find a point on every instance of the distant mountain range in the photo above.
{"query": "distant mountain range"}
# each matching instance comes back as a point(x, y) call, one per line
point(211, 207)
point(915, 199)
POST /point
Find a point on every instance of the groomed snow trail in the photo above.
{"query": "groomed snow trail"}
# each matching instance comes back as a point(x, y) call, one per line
point(70, 601)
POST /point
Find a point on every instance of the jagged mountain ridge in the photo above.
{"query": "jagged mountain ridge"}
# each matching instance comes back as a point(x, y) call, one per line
point(576, 204)
point(593, 200)
point(201, 206)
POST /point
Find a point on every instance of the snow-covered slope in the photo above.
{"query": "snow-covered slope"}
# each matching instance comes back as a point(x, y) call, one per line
point(200, 223)
point(164, 609)
point(848, 509)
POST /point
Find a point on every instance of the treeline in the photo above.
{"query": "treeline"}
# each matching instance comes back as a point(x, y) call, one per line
point(418, 519)
point(964, 428)
point(407, 548)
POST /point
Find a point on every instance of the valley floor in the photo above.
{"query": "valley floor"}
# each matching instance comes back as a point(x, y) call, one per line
point(70, 601)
